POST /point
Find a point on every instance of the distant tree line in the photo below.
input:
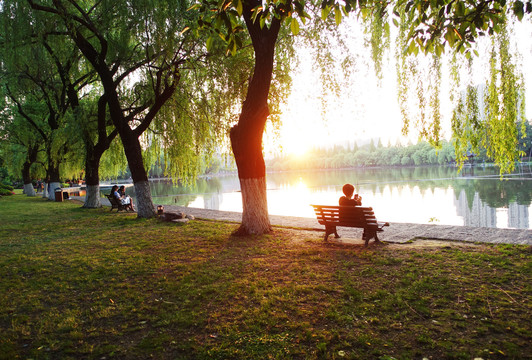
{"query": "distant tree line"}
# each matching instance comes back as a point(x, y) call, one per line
point(371, 155)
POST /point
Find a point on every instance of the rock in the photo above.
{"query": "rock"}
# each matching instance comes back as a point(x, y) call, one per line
point(190, 217)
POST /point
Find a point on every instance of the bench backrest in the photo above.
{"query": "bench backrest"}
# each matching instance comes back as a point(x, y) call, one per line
point(354, 216)
point(113, 200)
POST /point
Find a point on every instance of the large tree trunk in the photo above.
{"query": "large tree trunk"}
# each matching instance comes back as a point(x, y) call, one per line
point(246, 141)
point(145, 207)
point(29, 190)
point(246, 136)
point(92, 179)
point(26, 177)
point(53, 174)
point(255, 218)
point(26, 170)
point(45, 190)
point(53, 186)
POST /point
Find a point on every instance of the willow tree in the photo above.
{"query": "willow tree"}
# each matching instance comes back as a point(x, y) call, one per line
point(23, 146)
point(138, 49)
point(486, 115)
point(246, 135)
point(430, 28)
point(90, 125)
point(35, 95)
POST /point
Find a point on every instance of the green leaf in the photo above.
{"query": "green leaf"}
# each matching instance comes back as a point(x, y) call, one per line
point(209, 43)
point(450, 37)
point(294, 26)
point(239, 7)
point(438, 49)
point(337, 15)
point(519, 10)
point(412, 47)
point(325, 12)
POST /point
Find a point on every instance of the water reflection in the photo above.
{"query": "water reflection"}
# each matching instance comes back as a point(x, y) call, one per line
point(418, 195)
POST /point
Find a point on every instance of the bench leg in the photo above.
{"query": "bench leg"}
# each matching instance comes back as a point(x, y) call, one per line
point(368, 235)
point(330, 230)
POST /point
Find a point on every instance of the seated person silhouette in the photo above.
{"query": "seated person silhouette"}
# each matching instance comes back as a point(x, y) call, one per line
point(123, 199)
point(346, 200)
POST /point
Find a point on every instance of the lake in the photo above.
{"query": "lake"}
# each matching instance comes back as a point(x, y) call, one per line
point(424, 195)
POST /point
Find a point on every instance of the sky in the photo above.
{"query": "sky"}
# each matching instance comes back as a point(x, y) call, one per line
point(366, 109)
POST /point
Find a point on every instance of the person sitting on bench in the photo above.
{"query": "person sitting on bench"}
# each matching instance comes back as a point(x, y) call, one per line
point(346, 200)
point(124, 199)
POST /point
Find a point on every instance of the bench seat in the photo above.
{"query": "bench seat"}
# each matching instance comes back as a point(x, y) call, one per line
point(115, 204)
point(349, 216)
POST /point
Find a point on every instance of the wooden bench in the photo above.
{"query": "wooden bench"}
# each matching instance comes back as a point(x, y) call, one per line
point(115, 204)
point(349, 216)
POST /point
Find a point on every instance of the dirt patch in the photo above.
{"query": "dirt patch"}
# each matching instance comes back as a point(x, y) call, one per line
point(430, 243)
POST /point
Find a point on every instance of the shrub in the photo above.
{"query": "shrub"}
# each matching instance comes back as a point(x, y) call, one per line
point(4, 191)
point(6, 186)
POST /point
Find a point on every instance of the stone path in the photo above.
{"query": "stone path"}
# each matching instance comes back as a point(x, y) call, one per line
point(395, 233)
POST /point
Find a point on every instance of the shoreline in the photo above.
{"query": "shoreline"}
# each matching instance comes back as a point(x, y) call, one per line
point(395, 233)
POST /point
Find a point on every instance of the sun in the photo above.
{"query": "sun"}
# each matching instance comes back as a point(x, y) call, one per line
point(295, 144)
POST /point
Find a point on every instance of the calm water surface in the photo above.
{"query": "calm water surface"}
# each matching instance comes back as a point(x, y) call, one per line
point(438, 195)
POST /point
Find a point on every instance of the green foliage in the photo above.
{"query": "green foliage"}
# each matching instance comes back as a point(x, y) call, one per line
point(367, 156)
point(36, 73)
point(5, 189)
point(113, 162)
point(6, 186)
point(436, 25)
point(489, 116)
point(484, 117)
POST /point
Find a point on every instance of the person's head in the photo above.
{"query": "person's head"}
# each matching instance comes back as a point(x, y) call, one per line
point(122, 188)
point(114, 188)
point(348, 190)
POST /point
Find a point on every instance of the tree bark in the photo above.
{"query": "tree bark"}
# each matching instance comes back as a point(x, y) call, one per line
point(53, 174)
point(45, 190)
point(92, 197)
point(246, 136)
point(29, 190)
point(33, 150)
point(143, 195)
point(133, 151)
point(26, 177)
point(53, 185)
point(92, 179)
point(255, 206)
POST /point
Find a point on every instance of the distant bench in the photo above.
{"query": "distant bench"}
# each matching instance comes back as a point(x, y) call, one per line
point(349, 216)
point(65, 193)
point(116, 204)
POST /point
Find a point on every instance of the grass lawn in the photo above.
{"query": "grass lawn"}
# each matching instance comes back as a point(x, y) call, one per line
point(78, 283)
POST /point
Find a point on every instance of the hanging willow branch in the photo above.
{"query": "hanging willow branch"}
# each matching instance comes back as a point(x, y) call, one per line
point(486, 116)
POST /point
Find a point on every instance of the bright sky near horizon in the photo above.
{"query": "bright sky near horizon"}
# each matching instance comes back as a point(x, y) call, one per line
point(366, 110)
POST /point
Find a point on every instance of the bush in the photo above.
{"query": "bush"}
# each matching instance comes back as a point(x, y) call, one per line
point(6, 186)
point(4, 191)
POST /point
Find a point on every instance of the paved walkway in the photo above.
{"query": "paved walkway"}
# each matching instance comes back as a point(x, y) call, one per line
point(396, 232)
